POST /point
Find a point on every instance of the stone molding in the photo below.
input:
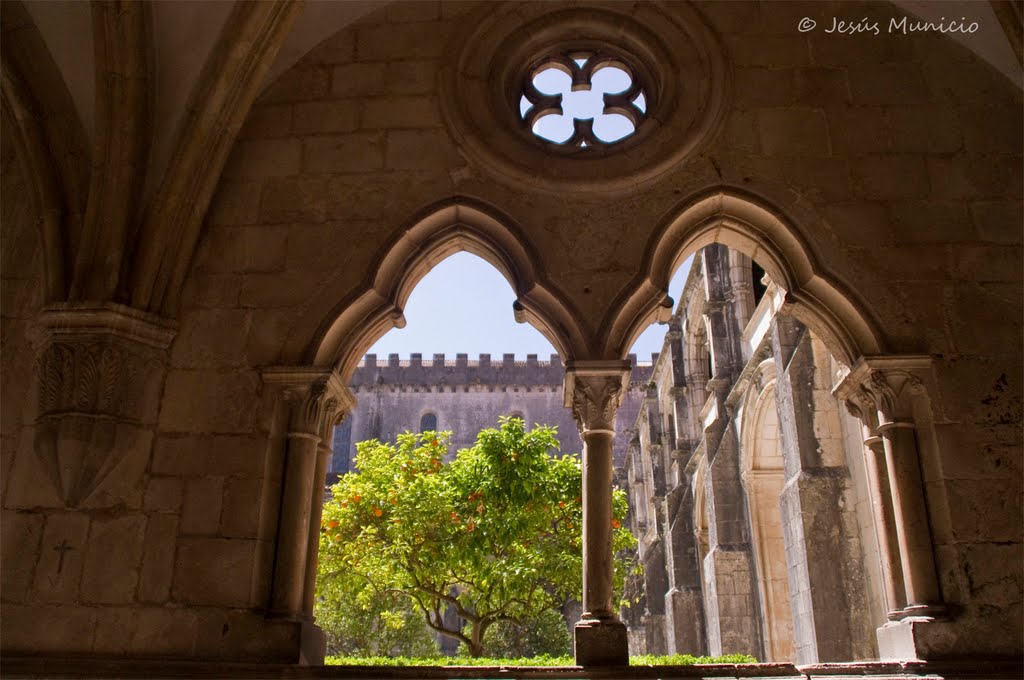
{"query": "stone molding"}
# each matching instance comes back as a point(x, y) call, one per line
point(217, 108)
point(344, 331)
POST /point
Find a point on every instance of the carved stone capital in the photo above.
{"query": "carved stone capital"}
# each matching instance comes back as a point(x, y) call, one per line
point(885, 389)
point(318, 398)
point(100, 370)
point(594, 390)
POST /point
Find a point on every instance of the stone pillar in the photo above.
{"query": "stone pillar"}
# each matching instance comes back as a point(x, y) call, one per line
point(913, 532)
point(655, 586)
point(828, 596)
point(594, 390)
point(890, 396)
point(720, 311)
point(316, 512)
point(730, 601)
point(885, 523)
point(317, 398)
point(684, 601)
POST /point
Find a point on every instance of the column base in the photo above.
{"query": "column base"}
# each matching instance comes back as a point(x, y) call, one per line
point(601, 642)
point(312, 645)
point(913, 638)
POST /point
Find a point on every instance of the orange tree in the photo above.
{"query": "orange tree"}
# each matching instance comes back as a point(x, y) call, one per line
point(495, 534)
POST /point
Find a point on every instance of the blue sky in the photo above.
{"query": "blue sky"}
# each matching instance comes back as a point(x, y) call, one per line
point(464, 305)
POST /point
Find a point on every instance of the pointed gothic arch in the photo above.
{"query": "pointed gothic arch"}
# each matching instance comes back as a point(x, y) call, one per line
point(750, 225)
point(440, 231)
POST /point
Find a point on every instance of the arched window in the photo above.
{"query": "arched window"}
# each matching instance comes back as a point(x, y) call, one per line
point(428, 422)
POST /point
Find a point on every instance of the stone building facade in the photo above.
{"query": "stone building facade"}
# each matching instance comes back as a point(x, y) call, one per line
point(209, 212)
point(465, 396)
point(749, 486)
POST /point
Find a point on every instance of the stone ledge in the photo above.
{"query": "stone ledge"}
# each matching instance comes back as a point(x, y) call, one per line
point(70, 667)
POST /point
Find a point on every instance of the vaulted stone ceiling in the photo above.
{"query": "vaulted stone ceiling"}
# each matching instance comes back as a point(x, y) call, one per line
point(185, 32)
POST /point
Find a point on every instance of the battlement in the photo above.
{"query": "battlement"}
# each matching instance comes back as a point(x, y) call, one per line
point(482, 370)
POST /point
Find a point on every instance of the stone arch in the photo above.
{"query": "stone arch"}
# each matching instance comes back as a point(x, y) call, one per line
point(750, 225)
point(762, 474)
point(440, 231)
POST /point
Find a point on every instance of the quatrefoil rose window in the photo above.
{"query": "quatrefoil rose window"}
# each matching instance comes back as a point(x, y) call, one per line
point(581, 100)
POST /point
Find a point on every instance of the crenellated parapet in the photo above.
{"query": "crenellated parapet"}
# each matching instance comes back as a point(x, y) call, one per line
point(484, 373)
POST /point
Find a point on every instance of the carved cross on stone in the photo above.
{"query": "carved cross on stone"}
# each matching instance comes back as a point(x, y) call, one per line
point(63, 548)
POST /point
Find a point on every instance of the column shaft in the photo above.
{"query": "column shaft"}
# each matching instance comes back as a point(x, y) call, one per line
point(911, 514)
point(293, 528)
point(316, 512)
point(888, 546)
point(597, 524)
point(594, 390)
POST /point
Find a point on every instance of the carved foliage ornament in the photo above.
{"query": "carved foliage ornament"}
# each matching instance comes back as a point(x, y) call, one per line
point(318, 406)
point(595, 400)
point(888, 394)
point(94, 401)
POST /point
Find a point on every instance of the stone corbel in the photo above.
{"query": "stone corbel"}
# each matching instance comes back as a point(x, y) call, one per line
point(100, 369)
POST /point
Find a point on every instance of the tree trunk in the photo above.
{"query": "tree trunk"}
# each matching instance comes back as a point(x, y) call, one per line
point(476, 641)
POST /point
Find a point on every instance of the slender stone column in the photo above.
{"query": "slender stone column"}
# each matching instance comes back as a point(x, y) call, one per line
point(888, 547)
point(912, 528)
point(890, 395)
point(597, 525)
point(594, 390)
point(316, 512)
point(293, 527)
point(315, 398)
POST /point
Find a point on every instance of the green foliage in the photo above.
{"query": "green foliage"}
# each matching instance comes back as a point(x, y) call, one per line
point(687, 660)
point(495, 534)
point(543, 660)
point(547, 635)
point(361, 622)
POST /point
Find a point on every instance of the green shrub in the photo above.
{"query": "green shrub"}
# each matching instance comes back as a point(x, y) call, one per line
point(547, 635)
point(541, 660)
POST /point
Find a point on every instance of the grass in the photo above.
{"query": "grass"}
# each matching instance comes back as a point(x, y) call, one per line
point(543, 660)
